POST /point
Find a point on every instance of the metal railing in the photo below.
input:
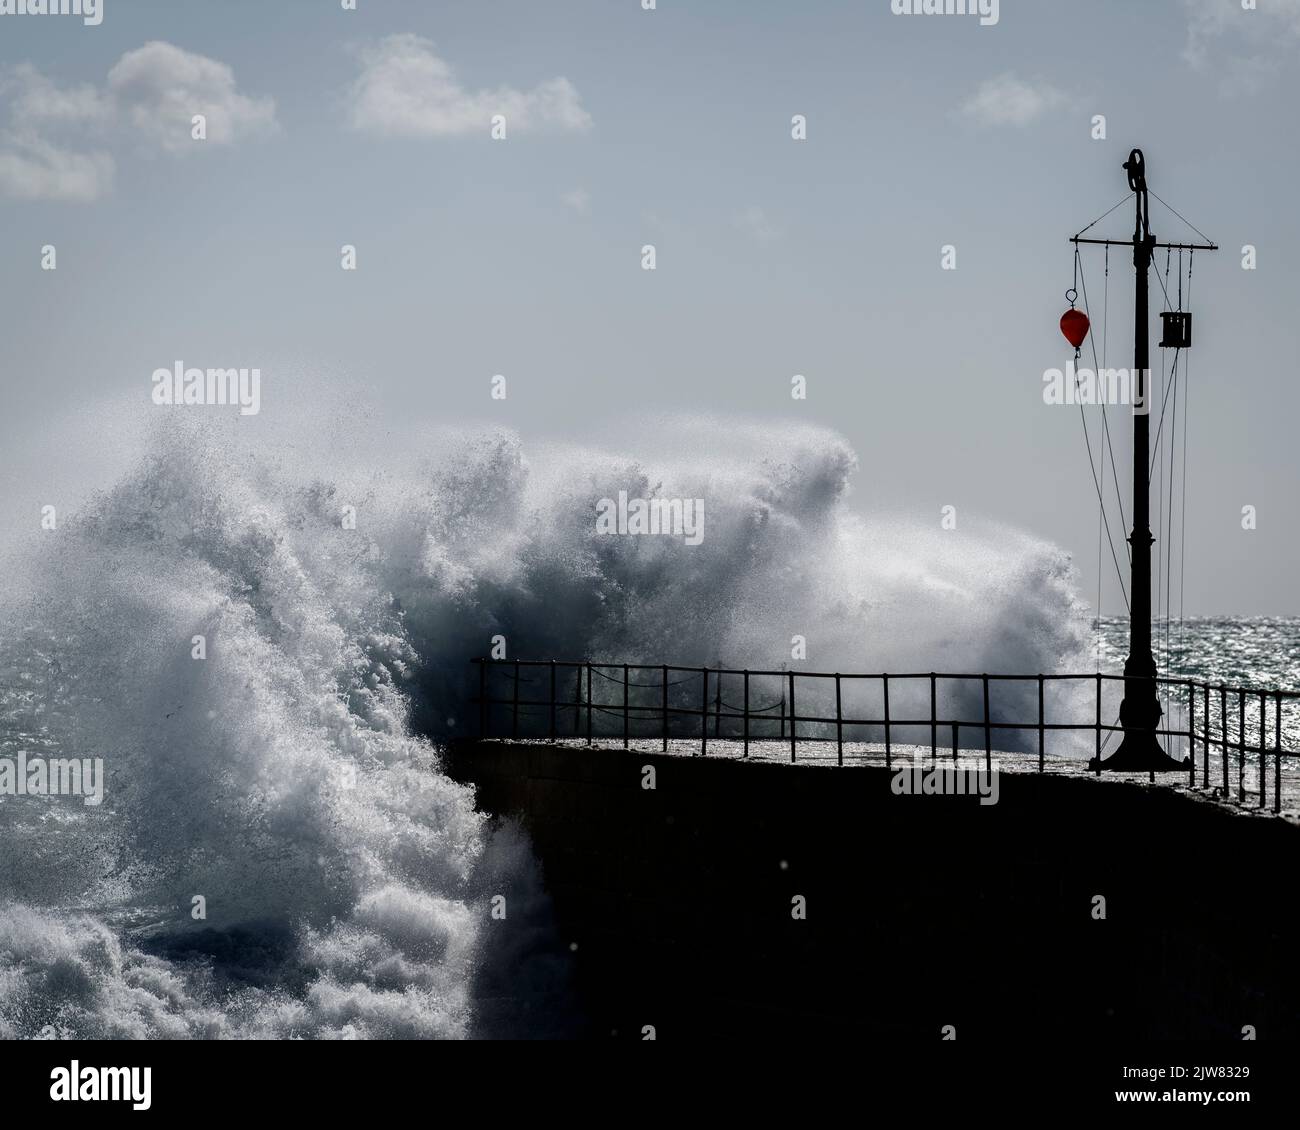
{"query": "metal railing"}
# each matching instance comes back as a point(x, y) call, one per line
point(673, 698)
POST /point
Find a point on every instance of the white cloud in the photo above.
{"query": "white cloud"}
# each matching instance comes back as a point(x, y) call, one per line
point(1010, 101)
point(753, 220)
point(579, 200)
point(159, 88)
point(405, 90)
point(34, 98)
point(54, 145)
point(1246, 46)
point(32, 168)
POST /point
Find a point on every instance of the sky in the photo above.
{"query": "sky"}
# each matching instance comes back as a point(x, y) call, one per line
point(672, 127)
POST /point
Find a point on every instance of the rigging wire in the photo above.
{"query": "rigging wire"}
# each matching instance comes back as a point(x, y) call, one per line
point(1165, 397)
point(1119, 494)
point(1182, 553)
point(1096, 482)
point(1160, 448)
point(1097, 625)
point(1157, 453)
point(1170, 636)
point(1169, 557)
point(1127, 197)
point(1181, 217)
point(1173, 455)
point(1105, 336)
point(1105, 420)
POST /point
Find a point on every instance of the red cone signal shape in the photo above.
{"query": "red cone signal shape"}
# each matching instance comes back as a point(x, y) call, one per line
point(1074, 324)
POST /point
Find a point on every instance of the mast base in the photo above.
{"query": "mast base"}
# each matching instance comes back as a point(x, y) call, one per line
point(1139, 752)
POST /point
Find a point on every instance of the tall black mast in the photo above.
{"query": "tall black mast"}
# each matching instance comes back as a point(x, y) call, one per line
point(1140, 712)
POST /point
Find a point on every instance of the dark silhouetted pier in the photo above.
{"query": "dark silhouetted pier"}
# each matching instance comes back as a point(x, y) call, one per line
point(1237, 737)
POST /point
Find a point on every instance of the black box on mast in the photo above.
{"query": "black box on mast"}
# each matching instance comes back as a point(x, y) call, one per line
point(1177, 329)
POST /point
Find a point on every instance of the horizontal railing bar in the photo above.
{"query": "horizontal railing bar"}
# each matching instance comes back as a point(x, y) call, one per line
point(1164, 680)
point(831, 738)
point(918, 723)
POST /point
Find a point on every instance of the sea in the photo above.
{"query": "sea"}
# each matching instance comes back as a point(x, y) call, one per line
point(267, 646)
point(1236, 651)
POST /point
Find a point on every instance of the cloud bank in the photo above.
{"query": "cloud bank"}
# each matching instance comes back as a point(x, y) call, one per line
point(1247, 47)
point(55, 143)
point(406, 90)
point(159, 87)
point(1010, 101)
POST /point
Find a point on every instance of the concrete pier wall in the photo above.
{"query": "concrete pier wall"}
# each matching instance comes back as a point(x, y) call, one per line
point(921, 912)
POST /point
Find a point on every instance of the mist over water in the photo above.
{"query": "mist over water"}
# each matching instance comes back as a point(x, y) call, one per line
point(291, 777)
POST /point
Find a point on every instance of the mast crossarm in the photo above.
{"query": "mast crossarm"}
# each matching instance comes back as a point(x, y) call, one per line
point(1129, 243)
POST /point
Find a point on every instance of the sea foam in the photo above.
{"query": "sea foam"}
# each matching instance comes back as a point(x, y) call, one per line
point(290, 779)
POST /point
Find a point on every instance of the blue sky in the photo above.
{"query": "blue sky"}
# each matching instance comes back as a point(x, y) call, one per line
point(671, 127)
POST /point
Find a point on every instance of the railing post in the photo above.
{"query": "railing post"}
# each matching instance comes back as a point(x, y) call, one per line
point(793, 724)
point(577, 699)
point(1223, 720)
point(745, 712)
point(552, 700)
point(1263, 741)
point(1042, 727)
point(663, 671)
point(988, 731)
point(1277, 759)
point(955, 727)
point(482, 699)
point(1205, 749)
point(704, 713)
point(626, 711)
point(934, 720)
point(1191, 735)
point(717, 703)
point(1241, 746)
point(889, 759)
point(514, 721)
point(589, 704)
point(839, 720)
point(1155, 726)
point(1098, 723)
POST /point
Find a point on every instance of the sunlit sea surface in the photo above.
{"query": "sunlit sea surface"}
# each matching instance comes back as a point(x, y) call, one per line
point(1252, 654)
point(1256, 652)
